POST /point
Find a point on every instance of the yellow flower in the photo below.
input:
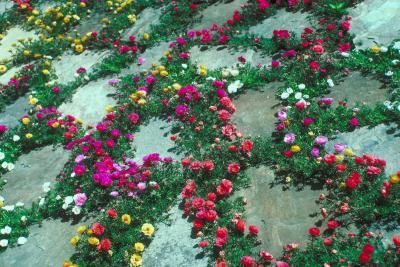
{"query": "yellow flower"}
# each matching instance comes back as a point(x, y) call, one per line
point(342, 185)
point(348, 152)
point(146, 36)
point(109, 108)
point(55, 124)
point(161, 68)
point(148, 229)
point(79, 48)
point(27, 53)
point(311, 133)
point(46, 72)
point(26, 120)
point(33, 100)
point(375, 49)
point(394, 179)
point(82, 4)
point(136, 260)
point(164, 73)
point(141, 93)
point(176, 86)
point(142, 101)
point(295, 149)
point(339, 158)
point(94, 241)
point(29, 136)
point(1, 204)
point(74, 240)
point(126, 219)
point(89, 232)
point(139, 247)
point(69, 264)
point(3, 68)
point(132, 18)
point(81, 229)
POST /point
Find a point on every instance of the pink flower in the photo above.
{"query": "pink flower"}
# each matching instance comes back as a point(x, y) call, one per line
point(80, 199)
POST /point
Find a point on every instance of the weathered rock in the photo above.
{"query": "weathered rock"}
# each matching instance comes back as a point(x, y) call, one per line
point(282, 216)
point(150, 56)
point(375, 21)
point(382, 141)
point(218, 13)
point(282, 20)
point(13, 112)
point(154, 138)
point(90, 101)
point(218, 57)
point(145, 19)
point(13, 36)
point(357, 88)
point(65, 67)
point(172, 245)
point(32, 170)
point(4, 5)
point(9, 74)
point(91, 23)
point(47, 246)
point(255, 110)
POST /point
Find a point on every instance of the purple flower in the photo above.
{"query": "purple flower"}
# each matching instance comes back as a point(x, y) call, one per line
point(114, 193)
point(80, 199)
point(282, 115)
point(141, 186)
point(113, 82)
point(315, 152)
point(339, 148)
point(79, 158)
point(151, 159)
point(181, 111)
point(289, 138)
point(321, 140)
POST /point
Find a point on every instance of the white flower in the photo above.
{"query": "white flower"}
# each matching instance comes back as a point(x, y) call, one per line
point(16, 138)
point(46, 187)
point(384, 49)
point(345, 54)
point(184, 66)
point(398, 107)
point(210, 78)
point(86, 78)
point(41, 201)
point(21, 240)
point(306, 96)
point(73, 174)
point(4, 165)
point(225, 73)
point(19, 204)
point(2, 155)
point(396, 45)
point(58, 197)
point(389, 73)
point(3, 243)
point(234, 73)
point(302, 86)
point(233, 87)
point(1, 198)
point(285, 95)
point(330, 83)
point(289, 90)
point(24, 219)
point(65, 206)
point(76, 210)
point(298, 95)
point(68, 200)
point(395, 61)
point(6, 230)
point(10, 166)
point(9, 207)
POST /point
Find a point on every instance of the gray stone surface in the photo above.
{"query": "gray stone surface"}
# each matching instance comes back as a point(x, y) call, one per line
point(4, 5)
point(13, 112)
point(282, 216)
point(154, 138)
point(91, 23)
point(357, 88)
point(89, 101)
point(215, 57)
point(65, 67)
point(255, 110)
point(382, 141)
point(218, 13)
point(4, 78)
point(172, 245)
point(12, 36)
point(47, 246)
point(145, 19)
point(282, 20)
point(152, 55)
point(32, 170)
point(375, 21)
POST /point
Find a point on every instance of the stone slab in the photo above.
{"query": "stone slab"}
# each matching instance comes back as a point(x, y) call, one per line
point(89, 101)
point(13, 112)
point(32, 170)
point(12, 36)
point(4, 5)
point(282, 20)
point(255, 110)
point(145, 19)
point(375, 21)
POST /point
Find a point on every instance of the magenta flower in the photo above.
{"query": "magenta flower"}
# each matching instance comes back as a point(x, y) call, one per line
point(80, 199)
point(339, 148)
point(289, 138)
point(321, 140)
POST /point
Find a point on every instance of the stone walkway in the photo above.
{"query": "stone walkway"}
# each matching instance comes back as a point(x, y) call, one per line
point(13, 112)
point(145, 19)
point(12, 36)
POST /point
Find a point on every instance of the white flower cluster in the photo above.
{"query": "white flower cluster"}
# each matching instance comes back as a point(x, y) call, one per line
point(69, 200)
point(392, 105)
point(297, 95)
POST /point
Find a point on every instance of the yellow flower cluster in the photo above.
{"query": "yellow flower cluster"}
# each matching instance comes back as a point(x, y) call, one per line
point(126, 219)
point(202, 70)
point(118, 5)
point(136, 258)
point(160, 70)
point(139, 97)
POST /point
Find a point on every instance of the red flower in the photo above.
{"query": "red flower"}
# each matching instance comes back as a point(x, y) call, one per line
point(222, 236)
point(328, 241)
point(314, 231)
point(253, 230)
point(241, 226)
point(211, 196)
point(105, 245)
point(224, 115)
point(208, 165)
point(396, 240)
point(318, 49)
point(198, 203)
point(247, 146)
point(288, 154)
point(112, 213)
point(364, 258)
point(185, 162)
point(354, 122)
point(98, 229)
point(196, 166)
point(234, 168)
point(232, 148)
point(329, 159)
point(247, 261)
point(371, 170)
point(368, 248)
point(333, 224)
point(224, 188)
point(203, 243)
point(197, 224)
point(314, 65)
point(340, 168)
